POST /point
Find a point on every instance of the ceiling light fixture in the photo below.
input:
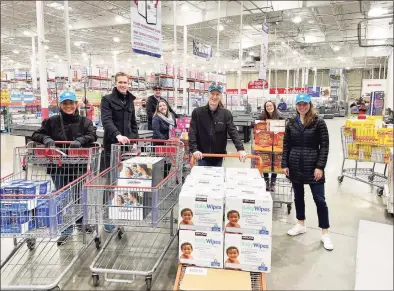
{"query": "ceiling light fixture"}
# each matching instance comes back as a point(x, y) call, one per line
point(310, 38)
point(76, 63)
point(173, 52)
point(375, 49)
point(77, 43)
point(218, 54)
point(15, 52)
point(336, 48)
point(347, 68)
point(297, 19)
point(283, 42)
point(26, 33)
point(60, 61)
point(119, 18)
point(143, 63)
point(202, 68)
point(185, 7)
point(377, 11)
point(46, 47)
point(280, 63)
point(221, 27)
point(193, 65)
point(84, 54)
point(101, 62)
point(295, 53)
point(251, 53)
point(116, 39)
point(70, 26)
point(56, 56)
point(129, 60)
point(311, 21)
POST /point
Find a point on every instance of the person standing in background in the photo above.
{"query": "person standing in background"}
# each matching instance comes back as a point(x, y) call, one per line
point(305, 153)
point(118, 116)
point(151, 105)
point(142, 116)
point(209, 127)
point(270, 112)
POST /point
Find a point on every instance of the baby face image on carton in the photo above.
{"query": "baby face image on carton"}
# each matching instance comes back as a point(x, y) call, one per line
point(201, 210)
point(201, 248)
point(247, 252)
point(248, 213)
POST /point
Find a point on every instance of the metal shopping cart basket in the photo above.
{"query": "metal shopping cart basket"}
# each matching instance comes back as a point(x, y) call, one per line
point(39, 201)
point(369, 175)
point(140, 205)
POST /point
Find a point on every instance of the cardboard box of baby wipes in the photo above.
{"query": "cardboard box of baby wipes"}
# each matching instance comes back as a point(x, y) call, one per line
point(242, 174)
point(247, 252)
point(204, 170)
point(196, 278)
point(201, 248)
point(248, 210)
point(257, 184)
point(203, 181)
point(201, 209)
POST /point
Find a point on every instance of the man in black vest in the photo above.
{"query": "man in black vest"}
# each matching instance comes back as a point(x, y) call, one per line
point(151, 105)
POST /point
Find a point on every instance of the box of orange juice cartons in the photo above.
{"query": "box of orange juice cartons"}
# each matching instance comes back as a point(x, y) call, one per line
point(263, 140)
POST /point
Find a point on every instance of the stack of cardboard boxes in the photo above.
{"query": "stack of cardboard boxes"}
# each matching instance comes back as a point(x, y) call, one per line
point(225, 220)
point(268, 143)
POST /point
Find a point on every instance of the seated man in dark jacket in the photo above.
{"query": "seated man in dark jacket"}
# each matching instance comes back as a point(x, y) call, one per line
point(67, 126)
point(209, 127)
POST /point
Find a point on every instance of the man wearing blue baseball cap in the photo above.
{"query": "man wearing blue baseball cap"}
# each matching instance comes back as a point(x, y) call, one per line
point(68, 125)
point(305, 153)
point(209, 127)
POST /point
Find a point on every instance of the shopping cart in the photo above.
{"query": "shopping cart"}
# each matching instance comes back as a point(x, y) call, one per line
point(366, 175)
point(36, 212)
point(143, 211)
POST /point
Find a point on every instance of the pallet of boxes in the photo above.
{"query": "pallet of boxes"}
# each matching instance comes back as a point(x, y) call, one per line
point(225, 226)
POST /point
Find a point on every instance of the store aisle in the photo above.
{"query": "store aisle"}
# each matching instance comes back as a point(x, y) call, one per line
point(297, 262)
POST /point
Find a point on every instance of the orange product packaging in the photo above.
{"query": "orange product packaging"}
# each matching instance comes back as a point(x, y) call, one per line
point(266, 159)
point(278, 163)
point(263, 141)
point(261, 125)
point(278, 142)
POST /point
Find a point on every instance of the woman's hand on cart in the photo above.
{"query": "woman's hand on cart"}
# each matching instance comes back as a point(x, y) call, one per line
point(122, 139)
point(242, 156)
point(197, 155)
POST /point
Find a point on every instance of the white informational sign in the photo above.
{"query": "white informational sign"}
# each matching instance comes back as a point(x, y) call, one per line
point(314, 78)
point(264, 53)
point(146, 28)
point(372, 85)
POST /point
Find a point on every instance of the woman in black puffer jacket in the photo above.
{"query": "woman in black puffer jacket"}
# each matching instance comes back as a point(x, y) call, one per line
point(305, 152)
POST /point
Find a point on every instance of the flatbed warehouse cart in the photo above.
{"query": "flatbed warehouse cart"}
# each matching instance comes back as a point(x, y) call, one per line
point(258, 280)
point(38, 218)
point(145, 231)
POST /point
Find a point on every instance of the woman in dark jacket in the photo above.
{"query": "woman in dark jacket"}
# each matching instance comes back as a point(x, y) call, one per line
point(162, 123)
point(305, 152)
point(68, 125)
point(270, 112)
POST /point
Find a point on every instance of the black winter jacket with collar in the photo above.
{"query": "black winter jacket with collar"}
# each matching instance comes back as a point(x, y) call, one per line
point(118, 117)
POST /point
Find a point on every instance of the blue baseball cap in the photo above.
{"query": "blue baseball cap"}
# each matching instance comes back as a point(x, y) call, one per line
point(67, 95)
point(215, 86)
point(303, 98)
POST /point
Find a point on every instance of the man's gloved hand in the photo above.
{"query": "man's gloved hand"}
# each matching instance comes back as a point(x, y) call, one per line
point(48, 142)
point(75, 144)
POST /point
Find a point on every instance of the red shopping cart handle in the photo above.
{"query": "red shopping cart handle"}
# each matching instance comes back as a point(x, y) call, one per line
point(253, 157)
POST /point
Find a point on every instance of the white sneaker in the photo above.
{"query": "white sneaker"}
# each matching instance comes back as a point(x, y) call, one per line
point(327, 243)
point(297, 229)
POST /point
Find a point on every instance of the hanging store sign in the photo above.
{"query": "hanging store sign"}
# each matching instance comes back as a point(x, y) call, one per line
point(258, 84)
point(146, 27)
point(235, 91)
point(288, 91)
point(313, 91)
point(264, 53)
point(372, 85)
point(202, 50)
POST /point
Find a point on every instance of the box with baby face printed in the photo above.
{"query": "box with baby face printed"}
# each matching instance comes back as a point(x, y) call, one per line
point(201, 208)
point(201, 248)
point(247, 252)
point(248, 210)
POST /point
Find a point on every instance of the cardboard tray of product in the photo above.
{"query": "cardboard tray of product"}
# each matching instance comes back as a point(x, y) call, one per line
point(190, 278)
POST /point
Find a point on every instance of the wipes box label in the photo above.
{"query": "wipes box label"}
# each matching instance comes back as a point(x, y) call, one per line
point(247, 252)
point(242, 174)
point(201, 210)
point(249, 213)
point(203, 249)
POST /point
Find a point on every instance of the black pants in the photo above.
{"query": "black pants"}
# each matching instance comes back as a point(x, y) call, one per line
point(267, 176)
point(318, 197)
point(211, 162)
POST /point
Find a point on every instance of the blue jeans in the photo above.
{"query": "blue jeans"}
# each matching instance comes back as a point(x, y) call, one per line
point(211, 162)
point(318, 197)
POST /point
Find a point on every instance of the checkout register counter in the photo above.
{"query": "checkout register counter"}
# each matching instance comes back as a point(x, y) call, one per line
point(27, 130)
